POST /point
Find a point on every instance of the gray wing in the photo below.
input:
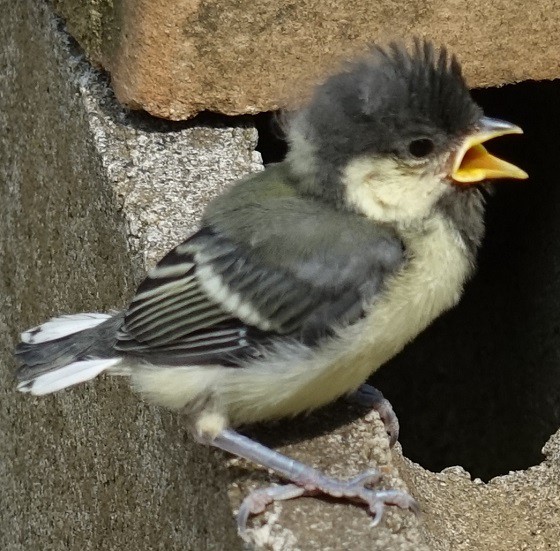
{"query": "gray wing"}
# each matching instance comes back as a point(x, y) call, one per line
point(216, 299)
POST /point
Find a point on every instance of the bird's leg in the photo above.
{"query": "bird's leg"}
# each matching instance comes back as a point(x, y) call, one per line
point(370, 397)
point(304, 480)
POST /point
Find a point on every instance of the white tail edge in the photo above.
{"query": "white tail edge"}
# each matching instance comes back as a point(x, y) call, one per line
point(62, 326)
point(69, 375)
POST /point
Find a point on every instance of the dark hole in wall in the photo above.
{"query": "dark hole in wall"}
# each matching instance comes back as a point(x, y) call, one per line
point(271, 144)
point(481, 387)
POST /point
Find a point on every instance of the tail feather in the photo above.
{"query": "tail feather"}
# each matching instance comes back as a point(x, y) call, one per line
point(62, 326)
point(64, 377)
point(67, 350)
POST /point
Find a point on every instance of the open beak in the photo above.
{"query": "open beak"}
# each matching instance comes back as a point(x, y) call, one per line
point(472, 163)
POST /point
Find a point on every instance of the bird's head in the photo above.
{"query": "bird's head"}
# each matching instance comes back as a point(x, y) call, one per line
point(393, 133)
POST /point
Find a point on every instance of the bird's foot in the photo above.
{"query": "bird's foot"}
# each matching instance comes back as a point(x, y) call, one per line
point(305, 480)
point(356, 490)
point(369, 397)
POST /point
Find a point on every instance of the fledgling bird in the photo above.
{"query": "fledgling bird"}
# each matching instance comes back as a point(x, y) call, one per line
point(305, 278)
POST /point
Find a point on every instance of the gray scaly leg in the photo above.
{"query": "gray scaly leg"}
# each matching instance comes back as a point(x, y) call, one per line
point(305, 481)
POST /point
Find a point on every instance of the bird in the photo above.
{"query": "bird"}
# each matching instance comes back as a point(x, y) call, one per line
point(305, 278)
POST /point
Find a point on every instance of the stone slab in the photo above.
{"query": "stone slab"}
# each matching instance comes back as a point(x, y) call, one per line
point(175, 59)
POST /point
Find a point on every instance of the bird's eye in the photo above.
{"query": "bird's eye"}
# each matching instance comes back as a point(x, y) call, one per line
point(421, 147)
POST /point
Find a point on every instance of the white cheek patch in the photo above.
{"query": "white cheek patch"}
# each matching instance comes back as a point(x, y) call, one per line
point(382, 190)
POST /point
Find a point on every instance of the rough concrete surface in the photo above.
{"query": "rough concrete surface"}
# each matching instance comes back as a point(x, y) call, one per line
point(175, 59)
point(519, 511)
point(91, 196)
point(81, 181)
point(343, 441)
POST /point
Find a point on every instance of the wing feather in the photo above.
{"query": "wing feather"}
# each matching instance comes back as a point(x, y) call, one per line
point(214, 299)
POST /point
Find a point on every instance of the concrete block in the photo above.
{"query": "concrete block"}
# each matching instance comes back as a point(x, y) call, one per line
point(90, 196)
point(459, 512)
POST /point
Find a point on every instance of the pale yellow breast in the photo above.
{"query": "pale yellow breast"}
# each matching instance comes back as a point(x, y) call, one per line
point(431, 283)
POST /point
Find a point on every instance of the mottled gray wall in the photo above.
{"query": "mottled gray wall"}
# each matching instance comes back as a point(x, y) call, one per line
point(91, 468)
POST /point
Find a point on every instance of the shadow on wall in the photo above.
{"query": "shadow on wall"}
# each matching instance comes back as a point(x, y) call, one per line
point(481, 387)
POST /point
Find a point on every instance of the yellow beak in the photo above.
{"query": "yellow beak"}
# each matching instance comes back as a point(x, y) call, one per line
point(474, 164)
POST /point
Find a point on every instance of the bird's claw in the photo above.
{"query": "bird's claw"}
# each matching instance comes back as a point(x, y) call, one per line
point(256, 502)
point(368, 396)
point(356, 489)
point(377, 500)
